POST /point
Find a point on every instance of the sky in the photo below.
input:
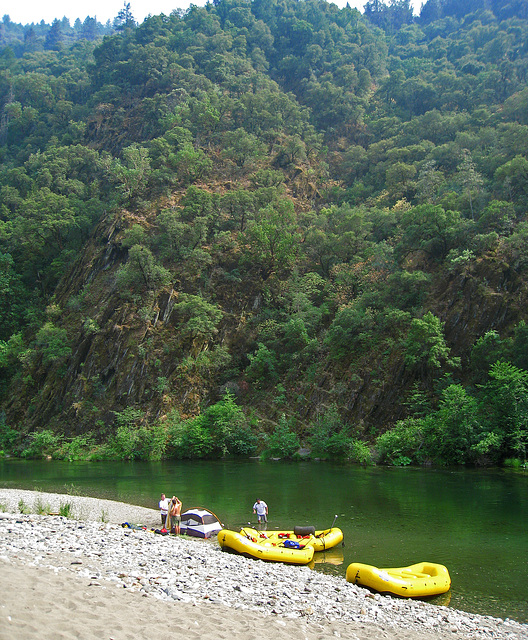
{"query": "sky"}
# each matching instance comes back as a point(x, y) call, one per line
point(27, 11)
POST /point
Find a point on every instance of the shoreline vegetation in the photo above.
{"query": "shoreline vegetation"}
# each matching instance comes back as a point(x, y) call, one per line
point(223, 429)
point(81, 575)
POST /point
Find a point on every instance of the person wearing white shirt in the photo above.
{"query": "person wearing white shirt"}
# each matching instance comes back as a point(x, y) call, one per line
point(164, 509)
point(261, 509)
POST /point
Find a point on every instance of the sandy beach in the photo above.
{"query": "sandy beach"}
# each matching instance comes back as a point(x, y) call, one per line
point(48, 605)
point(90, 578)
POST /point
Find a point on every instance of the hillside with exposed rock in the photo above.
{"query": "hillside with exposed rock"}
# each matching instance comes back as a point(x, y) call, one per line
point(264, 225)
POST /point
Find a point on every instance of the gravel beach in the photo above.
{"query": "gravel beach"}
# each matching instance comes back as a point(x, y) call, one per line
point(87, 577)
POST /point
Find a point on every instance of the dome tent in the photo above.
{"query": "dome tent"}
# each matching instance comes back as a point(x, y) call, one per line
point(200, 523)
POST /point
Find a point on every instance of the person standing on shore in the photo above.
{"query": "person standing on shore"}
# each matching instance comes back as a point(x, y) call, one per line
point(164, 509)
point(175, 515)
point(261, 509)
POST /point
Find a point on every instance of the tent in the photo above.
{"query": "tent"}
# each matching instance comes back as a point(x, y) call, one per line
point(200, 523)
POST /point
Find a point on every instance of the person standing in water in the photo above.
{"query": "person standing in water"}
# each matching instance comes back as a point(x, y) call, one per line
point(261, 509)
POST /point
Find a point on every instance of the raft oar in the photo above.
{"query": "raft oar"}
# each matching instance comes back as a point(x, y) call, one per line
point(335, 518)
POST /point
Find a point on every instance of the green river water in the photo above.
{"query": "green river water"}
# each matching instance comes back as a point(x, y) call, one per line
point(473, 521)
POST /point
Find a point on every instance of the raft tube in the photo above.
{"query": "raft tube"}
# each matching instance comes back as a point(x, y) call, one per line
point(320, 540)
point(416, 581)
point(249, 546)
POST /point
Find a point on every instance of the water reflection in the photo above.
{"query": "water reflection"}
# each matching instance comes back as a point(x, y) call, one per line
point(333, 556)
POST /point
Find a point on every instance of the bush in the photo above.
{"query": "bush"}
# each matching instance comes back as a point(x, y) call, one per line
point(360, 452)
point(196, 440)
point(426, 345)
point(262, 367)
point(328, 437)
point(403, 444)
point(53, 343)
point(339, 445)
point(514, 463)
point(282, 443)
point(222, 429)
point(42, 444)
point(135, 440)
point(174, 430)
point(78, 448)
point(8, 436)
point(228, 427)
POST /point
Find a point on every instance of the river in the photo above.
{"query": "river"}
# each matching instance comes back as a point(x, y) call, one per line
point(473, 521)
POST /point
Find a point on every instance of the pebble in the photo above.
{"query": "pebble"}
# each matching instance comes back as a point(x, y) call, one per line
point(199, 572)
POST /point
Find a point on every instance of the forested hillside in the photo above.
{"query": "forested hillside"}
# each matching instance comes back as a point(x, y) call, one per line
point(264, 225)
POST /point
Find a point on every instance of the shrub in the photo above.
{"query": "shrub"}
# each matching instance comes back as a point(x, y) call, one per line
point(175, 427)
point(53, 343)
point(196, 440)
point(402, 444)
point(262, 367)
point(351, 330)
point(338, 445)
point(222, 429)
point(426, 344)
point(41, 444)
point(135, 440)
point(328, 438)
point(228, 427)
point(514, 463)
point(78, 448)
point(360, 452)
point(283, 442)
point(8, 436)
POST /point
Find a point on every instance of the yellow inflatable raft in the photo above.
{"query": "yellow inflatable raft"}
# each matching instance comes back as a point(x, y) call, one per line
point(416, 581)
point(249, 545)
point(320, 540)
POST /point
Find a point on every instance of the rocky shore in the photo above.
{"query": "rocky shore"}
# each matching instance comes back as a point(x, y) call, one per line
point(91, 552)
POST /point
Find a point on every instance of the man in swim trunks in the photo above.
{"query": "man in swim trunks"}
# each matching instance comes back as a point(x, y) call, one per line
point(175, 515)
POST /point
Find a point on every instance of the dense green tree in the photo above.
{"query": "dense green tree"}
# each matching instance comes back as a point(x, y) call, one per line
point(272, 238)
point(12, 294)
point(54, 36)
point(124, 19)
point(430, 228)
point(283, 442)
point(52, 343)
point(470, 179)
point(141, 271)
point(513, 179)
point(263, 366)
point(506, 403)
point(426, 346)
point(200, 318)
point(457, 427)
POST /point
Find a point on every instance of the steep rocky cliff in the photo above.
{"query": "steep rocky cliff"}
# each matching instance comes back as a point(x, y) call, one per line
point(133, 350)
